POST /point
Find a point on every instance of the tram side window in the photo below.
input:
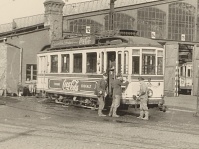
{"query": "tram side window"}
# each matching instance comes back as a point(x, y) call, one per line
point(119, 63)
point(102, 69)
point(77, 67)
point(65, 63)
point(54, 63)
point(126, 65)
point(91, 65)
point(189, 73)
point(148, 64)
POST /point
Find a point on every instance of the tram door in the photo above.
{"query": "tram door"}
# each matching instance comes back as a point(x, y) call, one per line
point(111, 69)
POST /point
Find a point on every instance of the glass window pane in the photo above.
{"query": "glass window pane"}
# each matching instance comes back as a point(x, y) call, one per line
point(31, 71)
point(148, 64)
point(121, 21)
point(160, 66)
point(102, 55)
point(54, 63)
point(91, 65)
point(65, 63)
point(160, 53)
point(135, 64)
point(77, 68)
point(119, 63)
point(136, 52)
point(34, 77)
point(126, 55)
point(181, 21)
point(35, 67)
point(151, 20)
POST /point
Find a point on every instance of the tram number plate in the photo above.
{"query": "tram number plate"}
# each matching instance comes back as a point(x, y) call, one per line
point(86, 86)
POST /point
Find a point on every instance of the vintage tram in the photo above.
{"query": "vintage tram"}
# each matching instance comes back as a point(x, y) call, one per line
point(68, 71)
point(185, 77)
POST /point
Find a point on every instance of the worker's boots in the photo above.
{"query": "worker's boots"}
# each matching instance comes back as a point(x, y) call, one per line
point(141, 115)
point(146, 116)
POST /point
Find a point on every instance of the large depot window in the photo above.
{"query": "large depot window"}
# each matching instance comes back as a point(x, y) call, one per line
point(77, 67)
point(91, 65)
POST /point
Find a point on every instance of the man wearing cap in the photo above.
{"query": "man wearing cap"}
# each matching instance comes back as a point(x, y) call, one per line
point(143, 97)
point(117, 94)
point(102, 87)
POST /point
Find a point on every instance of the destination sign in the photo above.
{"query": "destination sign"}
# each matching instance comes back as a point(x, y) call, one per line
point(80, 41)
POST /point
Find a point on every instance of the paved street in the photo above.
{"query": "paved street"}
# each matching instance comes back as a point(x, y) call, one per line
point(35, 123)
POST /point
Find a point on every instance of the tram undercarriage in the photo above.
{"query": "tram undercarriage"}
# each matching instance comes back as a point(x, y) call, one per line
point(92, 102)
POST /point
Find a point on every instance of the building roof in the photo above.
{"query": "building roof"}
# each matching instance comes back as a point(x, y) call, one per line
point(22, 23)
point(70, 9)
point(96, 5)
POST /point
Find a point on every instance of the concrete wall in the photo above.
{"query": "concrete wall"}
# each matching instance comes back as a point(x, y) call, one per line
point(3, 63)
point(31, 43)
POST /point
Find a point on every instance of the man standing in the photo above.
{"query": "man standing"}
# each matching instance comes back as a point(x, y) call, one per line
point(117, 94)
point(143, 97)
point(102, 92)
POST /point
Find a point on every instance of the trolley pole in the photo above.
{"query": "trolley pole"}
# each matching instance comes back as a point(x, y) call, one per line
point(111, 15)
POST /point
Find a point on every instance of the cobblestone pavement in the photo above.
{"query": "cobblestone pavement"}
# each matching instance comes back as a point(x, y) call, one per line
point(32, 123)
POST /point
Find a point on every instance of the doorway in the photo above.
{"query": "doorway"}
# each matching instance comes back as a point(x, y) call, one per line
point(111, 70)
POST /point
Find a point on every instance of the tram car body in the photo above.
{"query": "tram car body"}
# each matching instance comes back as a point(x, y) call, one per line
point(70, 69)
point(185, 77)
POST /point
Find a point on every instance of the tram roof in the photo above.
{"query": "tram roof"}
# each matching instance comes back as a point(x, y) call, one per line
point(140, 41)
point(108, 42)
point(97, 5)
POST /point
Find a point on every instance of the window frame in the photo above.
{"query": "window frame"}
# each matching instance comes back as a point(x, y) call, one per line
point(32, 70)
point(67, 62)
point(74, 69)
point(140, 62)
point(95, 71)
point(56, 64)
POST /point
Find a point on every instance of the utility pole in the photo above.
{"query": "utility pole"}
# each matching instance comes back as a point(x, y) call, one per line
point(111, 15)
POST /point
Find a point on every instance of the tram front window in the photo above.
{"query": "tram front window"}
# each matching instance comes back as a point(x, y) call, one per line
point(135, 65)
point(160, 66)
point(160, 62)
point(91, 65)
point(148, 64)
point(136, 61)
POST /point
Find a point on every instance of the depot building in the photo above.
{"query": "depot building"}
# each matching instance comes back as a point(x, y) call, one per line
point(173, 23)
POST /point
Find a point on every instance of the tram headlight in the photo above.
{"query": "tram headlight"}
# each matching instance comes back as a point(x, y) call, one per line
point(150, 93)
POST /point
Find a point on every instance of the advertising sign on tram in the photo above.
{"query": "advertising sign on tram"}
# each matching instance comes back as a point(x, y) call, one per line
point(72, 85)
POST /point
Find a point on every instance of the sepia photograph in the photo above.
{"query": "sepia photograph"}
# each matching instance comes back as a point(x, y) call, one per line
point(99, 74)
